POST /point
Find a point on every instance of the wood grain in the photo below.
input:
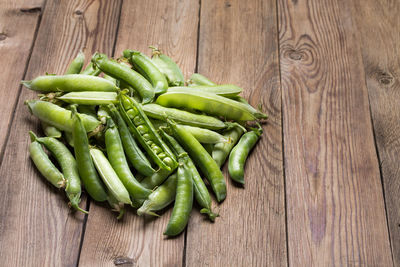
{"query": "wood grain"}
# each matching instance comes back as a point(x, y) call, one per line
point(172, 26)
point(238, 44)
point(18, 23)
point(381, 51)
point(37, 227)
point(335, 207)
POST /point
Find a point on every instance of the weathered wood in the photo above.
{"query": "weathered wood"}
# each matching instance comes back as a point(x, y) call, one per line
point(238, 44)
point(18, 23)
point(37, 227)
point(335, 206)
point(171, 25)
point(380, 49)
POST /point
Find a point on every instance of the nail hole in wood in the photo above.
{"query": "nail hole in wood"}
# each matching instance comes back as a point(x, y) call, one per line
point(78, 12)
point(3, 36)
point(31, 10)
point(121, 260)
point(227, 4)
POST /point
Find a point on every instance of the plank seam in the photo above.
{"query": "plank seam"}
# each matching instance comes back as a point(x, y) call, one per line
point(282, 133)
point(35, 34)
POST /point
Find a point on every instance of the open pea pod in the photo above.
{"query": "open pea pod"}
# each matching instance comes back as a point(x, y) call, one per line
point(145, 133)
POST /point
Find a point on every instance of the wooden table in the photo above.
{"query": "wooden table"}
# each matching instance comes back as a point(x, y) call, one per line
point(322, 186)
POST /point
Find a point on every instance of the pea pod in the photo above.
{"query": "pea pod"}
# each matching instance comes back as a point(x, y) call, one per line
point(109, 176)
point(132, 151)
point(208, 166)
point(155, 179)
point(87, 171)
point(76, 65)
point(183, 117)
point(118, 161)
point(44, 165)
point(141, 127)
point(70, 83)
point(198, 79)
point(145, 66)
point(206, 136)
point(69, 169)
point(168, 67)
point(161, 197)
point(239, 153)
point(221, 150)
point(226, 90)
point(59, 117)
point(126, 74)
point(183, 200)
point(50, 130)
point(116, 206)
point(201, 193)
point(89, 98)
point(91, 70)
point(209, 103)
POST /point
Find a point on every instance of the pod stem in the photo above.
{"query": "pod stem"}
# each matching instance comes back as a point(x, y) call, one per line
point(145, 209)
point(74, 203)
point(211, 215)
point(27, 84)
point(33, 136)
point(156, 51)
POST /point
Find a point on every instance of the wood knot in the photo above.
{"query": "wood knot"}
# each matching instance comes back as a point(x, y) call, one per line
point(126, 261)
point(227, 4)
point(295, 55)
point(385, 78)
point(78, 12)
point(3, 36)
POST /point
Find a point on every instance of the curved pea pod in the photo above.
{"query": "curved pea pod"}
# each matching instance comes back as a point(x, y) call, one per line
point(70, 83)
point(198, 79)
point(146, 67)
point(87, 171)
point(44, 164)
point(239, 153)
point(109, 176)
point(226, 90)
point(50, 130)
point(69, 169)
point(91, 70)
point(117, 159)
point(209, 103)
point(201, 193)
point(76, 64)
point(168, 67)
point(89, 98)
point(59, 117)
point(183, 117)
point(142, 129)
point(132, 151)
point(183, 200)
point(126, 74)
point(160, 198)
point(221, 150)
point(206, 136)
point(204, 161)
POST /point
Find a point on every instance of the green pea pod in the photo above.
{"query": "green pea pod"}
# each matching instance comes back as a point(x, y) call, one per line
point(109, 176)
point(239, 153)
point(87, 171)
point(155, 179)
point(59, 117)
point(226, 90)
point(168, 67)
point(206, 136)
point(142, 129)
point(76, 65)
point(69, 138)
point(145, 66)
point(44, 164)
point(160, 198)
point(70, 83)
point(116, 206)
point(118, 161)
point(183, 200)
point(69, 169)
point(50, 130)
point(183, 117)
point(207, 165)
point(126, 74)
point(210, 104)
point(91, 70)
point(132, 151)
point(198, 79)
point(89, 98)
point(201, 193)
point(221, 150)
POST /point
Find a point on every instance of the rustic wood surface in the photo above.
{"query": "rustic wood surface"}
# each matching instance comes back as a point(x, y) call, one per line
point(322, 184)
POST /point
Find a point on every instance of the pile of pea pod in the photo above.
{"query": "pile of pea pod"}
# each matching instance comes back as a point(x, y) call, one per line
point(131, 131)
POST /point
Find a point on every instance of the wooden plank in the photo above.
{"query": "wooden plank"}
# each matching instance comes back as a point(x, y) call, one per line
point(18, 23)
point(171, 25)
point(381, 51)
point(238, 44)
point(37, 228)
point(335, 206)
